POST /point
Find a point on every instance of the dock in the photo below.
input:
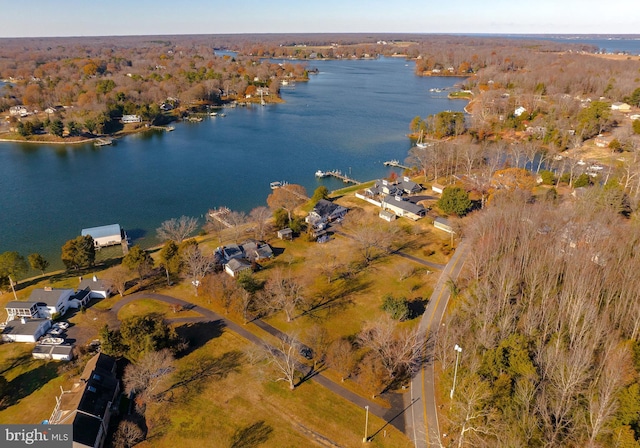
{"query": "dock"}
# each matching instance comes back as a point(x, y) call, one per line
point(103, 142)
point(219, 215)
point(396, 164)
point(344, 178)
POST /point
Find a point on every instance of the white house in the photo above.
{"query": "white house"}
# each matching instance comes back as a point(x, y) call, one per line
point(98, 289)
point(235, 266)
point(401, 207)
point(25, 330)
point(105, 235)
point(519, 111)
point(55, 352)
point(622, 107)
point(51, 301)
point(131, 119)
point(387, 215)
point(18, 111)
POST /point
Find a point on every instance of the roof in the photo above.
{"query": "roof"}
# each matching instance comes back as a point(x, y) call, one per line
point(407, 206)
point(103, 231)
point(49, 296)
point(29, 327)
point(237, 265)
point(326, 208)
point(20, 304)
point(94, 284)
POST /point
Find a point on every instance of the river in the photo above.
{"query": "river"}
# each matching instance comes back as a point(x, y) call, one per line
point(351, 116)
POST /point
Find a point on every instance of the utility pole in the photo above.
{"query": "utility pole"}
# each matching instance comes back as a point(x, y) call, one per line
point(458, 350)
point(366, 424)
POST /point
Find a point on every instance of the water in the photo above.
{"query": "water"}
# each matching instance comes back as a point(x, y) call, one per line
point(352, 116)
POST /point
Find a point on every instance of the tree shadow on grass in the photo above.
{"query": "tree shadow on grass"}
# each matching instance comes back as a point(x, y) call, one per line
point(27, 383)
point(202, 370)
point(199, 333)
point(251, 435)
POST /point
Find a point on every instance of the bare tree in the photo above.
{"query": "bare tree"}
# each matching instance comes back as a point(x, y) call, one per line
point(117, 278)
point(128, 434)
point(259, 217)
point(177, 229)
point(287, 197)
point(146, 377)
point(283, 358)
point(341, 357)
point(284, 292)
point(237, 220)
point(197, 265)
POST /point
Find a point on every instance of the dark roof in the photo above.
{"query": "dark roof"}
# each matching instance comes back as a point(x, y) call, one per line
point(29, 327)
point(238, 264)
point(20, 304)
point(94, 284)
point(49, 296)
point(404, 205)
point(85, 429)
point(326, 208)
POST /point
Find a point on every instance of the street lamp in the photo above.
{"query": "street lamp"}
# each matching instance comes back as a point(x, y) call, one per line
point(366, 424)
point(458, 350)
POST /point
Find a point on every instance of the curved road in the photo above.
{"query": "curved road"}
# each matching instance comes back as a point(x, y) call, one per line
point(423, 416)
point(389, 415)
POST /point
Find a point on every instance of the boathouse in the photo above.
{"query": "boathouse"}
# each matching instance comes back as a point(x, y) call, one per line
point(105, 235)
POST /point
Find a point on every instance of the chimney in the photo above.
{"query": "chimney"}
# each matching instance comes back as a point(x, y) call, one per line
point(95, 279)
point(23, 320)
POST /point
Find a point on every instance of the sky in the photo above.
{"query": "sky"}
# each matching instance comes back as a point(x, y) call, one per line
point(54, 18)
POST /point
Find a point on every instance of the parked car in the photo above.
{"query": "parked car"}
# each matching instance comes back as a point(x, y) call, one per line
point(306, 352)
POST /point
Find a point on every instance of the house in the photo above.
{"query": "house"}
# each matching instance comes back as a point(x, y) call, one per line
point(232, 251)
point(20, 308)
point(255, 251)
point(97, 288)
point(603, 141)
point(402, 207)
point(89, 404)
point(18, 111)
point(325, 212)
point(443, 224)
point(62, 352)
point(235, 266)
point(387, 215)
point(622, 107)
point(382, 187)
point(51, 301)
point(25, 330)
point(105, 235)
point(519, 111)
point(408, 186)
point(53, 109)
point(131, 119)
point(285, 234)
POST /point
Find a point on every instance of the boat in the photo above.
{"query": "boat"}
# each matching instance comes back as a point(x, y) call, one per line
point(222, 115)
point(321, 174)
point(213, 114)
point(421, 143)
point(275, 185)
point(51, 341)
point(170, 128)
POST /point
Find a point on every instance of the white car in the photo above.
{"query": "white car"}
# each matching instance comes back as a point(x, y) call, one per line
point(55, 331)
point(61, 325)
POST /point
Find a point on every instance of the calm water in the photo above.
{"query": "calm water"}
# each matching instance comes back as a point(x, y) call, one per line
point(352, 116)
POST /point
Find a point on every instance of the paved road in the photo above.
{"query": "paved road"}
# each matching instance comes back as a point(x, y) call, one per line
point(388, 414)
point(422, 420)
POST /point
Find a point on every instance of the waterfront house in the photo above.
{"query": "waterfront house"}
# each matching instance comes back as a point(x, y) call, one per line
point(408, 186)
point(255, 251)
point(25, 330)
point(97, 288)
point(402, 207)
point(603, 141)
point(18, 111)
point(90, 403)
point(325, 212)
point(52, 301)
point(131, 119)
point(103, 236)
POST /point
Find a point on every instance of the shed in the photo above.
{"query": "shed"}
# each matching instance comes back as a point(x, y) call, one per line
point(55, 352)
point(105, 235)
point(437, 188)
point(443, 224)
point(387, 215)
point(285, 234)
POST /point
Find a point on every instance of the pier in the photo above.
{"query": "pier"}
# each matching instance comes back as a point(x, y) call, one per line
point(103, 141)
point(396, 164)
point(344, 178)
point(220, 215)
